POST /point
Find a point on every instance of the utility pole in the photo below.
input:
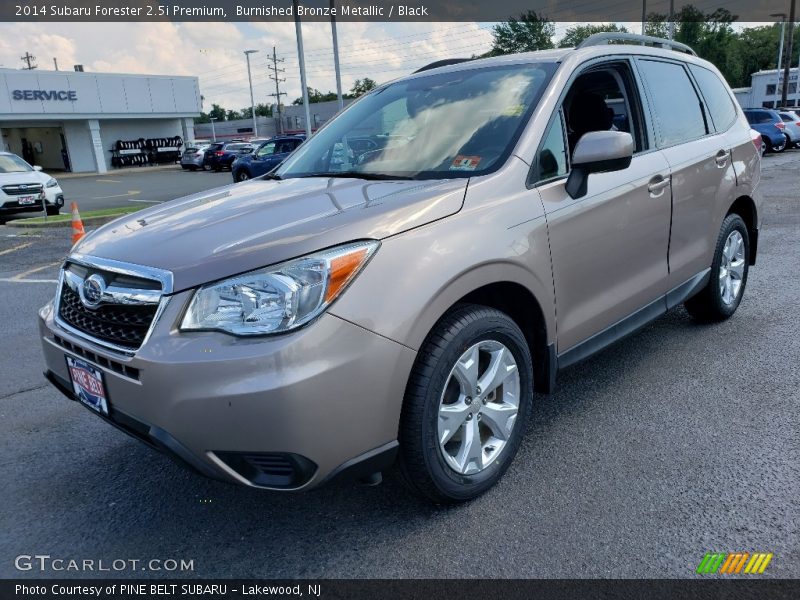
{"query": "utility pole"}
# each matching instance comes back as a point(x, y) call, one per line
point(785, 89)
point(247, 54)
point(55, 62)
point(30, 60)
point(644, 14)
point(277, 79)
point(301, 57)
point(671, 19)
point(336, 56)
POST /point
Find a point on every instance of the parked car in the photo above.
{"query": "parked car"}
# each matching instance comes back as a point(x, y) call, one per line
point(193, 156)
point(22, 187)
point(771, 127)
point(220, 155)
point(791, 127)
point(264, 158)
point(404, 298)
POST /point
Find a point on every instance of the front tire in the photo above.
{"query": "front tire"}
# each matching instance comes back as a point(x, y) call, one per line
point(466, 406)
point(721, 297)
point(241, 176)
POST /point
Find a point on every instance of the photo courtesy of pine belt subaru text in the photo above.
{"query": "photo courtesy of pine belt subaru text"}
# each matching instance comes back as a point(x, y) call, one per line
point(404, 282)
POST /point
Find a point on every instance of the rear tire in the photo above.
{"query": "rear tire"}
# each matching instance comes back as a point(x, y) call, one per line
point(728, 278)
point(440, 405)
point(780, 147)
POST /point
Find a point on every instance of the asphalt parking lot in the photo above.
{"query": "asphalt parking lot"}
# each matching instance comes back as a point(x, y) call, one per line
point(681, 440)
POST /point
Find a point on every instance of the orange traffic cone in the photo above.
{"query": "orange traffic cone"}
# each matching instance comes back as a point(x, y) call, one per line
point(77, 224)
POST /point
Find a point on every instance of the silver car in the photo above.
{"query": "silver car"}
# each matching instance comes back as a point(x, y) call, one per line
point(192, 157)
point(792, 127)
point(402, 284)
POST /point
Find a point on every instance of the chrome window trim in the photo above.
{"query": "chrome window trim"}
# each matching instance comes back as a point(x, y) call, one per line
point(133, 270)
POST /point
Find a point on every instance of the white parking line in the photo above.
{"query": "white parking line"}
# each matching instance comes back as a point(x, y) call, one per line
point(146, 201)
point(13, 280)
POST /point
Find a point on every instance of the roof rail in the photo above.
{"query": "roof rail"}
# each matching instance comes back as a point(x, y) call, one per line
point(442, 63)
point(598, 39)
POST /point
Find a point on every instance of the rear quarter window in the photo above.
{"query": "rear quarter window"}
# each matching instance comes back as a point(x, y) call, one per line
point(718, 100)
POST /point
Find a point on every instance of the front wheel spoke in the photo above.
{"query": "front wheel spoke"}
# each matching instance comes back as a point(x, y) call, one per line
point(466, 371)
point(499, 418)
point(737, 268)
point(501, 367)
point(471, 451)
point(451, 417)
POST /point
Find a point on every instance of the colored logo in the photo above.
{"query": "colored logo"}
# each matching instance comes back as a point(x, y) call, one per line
point(734, 563)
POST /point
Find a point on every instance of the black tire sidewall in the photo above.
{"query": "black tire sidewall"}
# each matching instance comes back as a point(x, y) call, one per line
point(732, 222)
point(489, 325)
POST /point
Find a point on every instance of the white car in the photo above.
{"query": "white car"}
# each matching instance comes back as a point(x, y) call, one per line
point(22, 187)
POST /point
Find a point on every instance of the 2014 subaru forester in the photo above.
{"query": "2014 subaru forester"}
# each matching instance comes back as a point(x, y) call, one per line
point(402, 285)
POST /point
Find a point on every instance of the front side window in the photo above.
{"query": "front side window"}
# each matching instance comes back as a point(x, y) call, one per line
point(266, 150)
point(447, 125)
point(10, 163)
point(676, 108)
point(718, 100)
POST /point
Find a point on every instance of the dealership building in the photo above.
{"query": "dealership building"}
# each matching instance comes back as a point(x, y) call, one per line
point(766, 88)
point(89, 122)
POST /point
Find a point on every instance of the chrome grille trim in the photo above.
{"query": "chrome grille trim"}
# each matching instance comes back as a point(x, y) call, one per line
point(115, 295)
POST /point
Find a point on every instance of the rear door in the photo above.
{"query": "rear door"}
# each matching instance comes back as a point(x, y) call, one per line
point(699, 157)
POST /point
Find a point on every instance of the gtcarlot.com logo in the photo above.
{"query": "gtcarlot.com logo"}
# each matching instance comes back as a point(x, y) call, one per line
point(733, 563)
point(46, 562)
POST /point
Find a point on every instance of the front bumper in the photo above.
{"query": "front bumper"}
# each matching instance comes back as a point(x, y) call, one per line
point(322, 400)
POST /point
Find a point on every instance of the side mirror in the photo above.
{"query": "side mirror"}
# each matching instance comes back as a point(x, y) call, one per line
point(598, 152)
point(37, 168)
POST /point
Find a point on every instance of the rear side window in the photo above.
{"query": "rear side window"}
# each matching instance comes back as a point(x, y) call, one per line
point(759, 116)
point(718, 100)
point(676, 107)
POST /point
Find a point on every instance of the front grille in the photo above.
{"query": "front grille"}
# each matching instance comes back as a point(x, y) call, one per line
point(121, 325)
point(23, 189)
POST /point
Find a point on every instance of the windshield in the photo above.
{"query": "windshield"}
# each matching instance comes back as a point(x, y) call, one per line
point(454, 124)
point(10, 163)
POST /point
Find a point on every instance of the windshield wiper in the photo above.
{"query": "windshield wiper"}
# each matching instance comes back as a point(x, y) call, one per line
point(358, 175)
point(272, 176)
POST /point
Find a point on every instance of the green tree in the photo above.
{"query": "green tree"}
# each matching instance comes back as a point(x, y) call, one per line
point(361, 87)
point(574, 35)
point(527, 33)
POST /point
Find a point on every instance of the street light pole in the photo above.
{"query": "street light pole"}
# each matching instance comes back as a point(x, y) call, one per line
point(247, 54)
point(780, 50)
point(213, 131)
point(302, 59)
point(336, 56)
point(786, 69)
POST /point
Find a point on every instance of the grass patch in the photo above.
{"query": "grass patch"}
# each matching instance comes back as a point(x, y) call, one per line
point(103, 212)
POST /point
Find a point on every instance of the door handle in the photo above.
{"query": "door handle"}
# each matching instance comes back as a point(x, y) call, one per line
point(721, 158)
point(657, 185)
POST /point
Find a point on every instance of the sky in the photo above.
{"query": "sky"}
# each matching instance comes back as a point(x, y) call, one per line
point(214, 51)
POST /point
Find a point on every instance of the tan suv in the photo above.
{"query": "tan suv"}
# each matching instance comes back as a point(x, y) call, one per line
point(405, 281)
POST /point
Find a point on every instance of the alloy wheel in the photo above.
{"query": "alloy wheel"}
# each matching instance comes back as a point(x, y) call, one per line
point(731, 268)
point(478, 408)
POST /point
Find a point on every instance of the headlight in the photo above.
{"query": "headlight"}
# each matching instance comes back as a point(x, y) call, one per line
point(51, 183)
point(279, 298)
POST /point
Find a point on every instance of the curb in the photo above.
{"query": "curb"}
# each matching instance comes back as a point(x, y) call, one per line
point(20, 223)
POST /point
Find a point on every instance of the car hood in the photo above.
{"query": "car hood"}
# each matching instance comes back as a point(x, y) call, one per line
point(245, 226)
point(26, 177)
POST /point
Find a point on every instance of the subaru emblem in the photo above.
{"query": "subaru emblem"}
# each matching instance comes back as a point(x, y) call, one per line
point(92, 290)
